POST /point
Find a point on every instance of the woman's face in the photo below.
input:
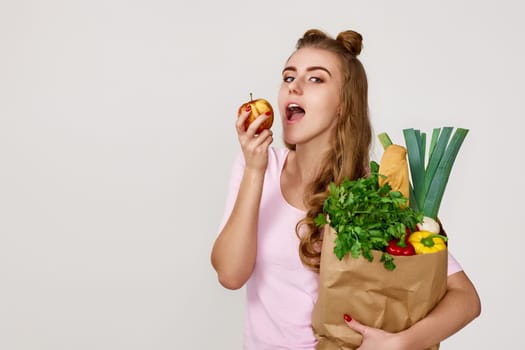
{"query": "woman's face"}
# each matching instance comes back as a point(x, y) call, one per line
point(309, 96)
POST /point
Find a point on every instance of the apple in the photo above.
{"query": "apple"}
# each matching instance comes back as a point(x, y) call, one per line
point(258, 107)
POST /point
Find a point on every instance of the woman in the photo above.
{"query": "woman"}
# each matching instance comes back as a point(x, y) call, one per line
point(276, 193)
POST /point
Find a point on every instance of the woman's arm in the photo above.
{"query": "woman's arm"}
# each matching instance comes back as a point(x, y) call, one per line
point(234, 251)
point(459, 306)
point(233, 254)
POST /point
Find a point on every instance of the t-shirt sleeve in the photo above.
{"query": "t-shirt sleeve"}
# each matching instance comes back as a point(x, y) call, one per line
point(237, 172)
point(453, 265)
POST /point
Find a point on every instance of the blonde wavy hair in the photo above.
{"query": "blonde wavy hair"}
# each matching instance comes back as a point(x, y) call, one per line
point(349, 153)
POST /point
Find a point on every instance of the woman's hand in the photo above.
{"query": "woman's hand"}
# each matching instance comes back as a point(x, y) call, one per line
point(374, 338)
point(254, 147)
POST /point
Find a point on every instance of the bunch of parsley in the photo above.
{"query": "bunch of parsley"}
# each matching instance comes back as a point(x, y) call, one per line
point(366, 216)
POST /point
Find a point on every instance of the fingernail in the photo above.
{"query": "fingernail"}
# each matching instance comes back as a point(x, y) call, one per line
point(268, 113)
point(249, 108)
point(347, 318)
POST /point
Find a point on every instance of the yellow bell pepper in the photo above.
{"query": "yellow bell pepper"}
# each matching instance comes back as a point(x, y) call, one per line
point(425, 242)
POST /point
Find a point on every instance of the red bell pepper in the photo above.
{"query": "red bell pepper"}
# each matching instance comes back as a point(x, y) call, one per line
point(401, 246)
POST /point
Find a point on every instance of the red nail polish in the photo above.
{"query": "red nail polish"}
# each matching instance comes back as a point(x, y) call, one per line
point(248, 108)
point(268, 113)
point(347, 318)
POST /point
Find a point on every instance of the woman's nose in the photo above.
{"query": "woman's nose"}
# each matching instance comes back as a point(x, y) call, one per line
point(295, 88)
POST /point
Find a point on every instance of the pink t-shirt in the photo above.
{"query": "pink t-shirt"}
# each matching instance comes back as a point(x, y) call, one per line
point(281, 292)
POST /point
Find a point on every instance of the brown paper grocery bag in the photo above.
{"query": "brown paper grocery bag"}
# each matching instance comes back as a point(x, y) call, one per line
point(374, 296)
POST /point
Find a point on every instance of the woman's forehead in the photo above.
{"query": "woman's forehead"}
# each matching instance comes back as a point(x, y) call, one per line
point(310, 56)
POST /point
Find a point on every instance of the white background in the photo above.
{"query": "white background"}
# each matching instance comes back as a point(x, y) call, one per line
point(117, 137)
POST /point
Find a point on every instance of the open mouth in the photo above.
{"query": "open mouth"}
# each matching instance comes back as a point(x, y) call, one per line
point(294, 112)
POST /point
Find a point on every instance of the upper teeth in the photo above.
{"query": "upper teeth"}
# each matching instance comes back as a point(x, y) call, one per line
point(292, 105)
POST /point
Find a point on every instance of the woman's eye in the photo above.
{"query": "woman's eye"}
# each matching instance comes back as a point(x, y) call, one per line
point(316, 80)
point(288, 79)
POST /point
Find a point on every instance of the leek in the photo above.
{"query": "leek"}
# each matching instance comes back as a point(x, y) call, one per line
point(428, 182)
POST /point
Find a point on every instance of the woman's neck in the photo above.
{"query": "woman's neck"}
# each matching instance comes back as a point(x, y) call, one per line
point(306, 163)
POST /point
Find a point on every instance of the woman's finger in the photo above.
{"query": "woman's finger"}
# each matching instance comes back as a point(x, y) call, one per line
point(252, 128)
point(356, 326)
point(257, 142)
point(241, 119)
point(254, 125)
point(260, 138)
point(267, 140)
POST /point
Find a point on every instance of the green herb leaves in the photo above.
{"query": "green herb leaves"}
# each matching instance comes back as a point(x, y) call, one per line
point(366, 216)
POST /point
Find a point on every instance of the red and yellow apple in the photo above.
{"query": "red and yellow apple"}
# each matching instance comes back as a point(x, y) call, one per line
point(257, 107)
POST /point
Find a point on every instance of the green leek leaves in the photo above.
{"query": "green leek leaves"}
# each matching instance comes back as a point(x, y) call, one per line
point(429, 182)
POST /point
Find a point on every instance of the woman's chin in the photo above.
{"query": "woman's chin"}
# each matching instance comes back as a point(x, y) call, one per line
point(289, 139)
point(293, 142)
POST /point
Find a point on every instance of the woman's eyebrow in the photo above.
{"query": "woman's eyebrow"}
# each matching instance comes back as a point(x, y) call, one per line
point(289, 68)
point(309, 69)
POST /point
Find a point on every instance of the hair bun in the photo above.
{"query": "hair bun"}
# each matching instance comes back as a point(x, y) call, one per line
point(352, 41)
